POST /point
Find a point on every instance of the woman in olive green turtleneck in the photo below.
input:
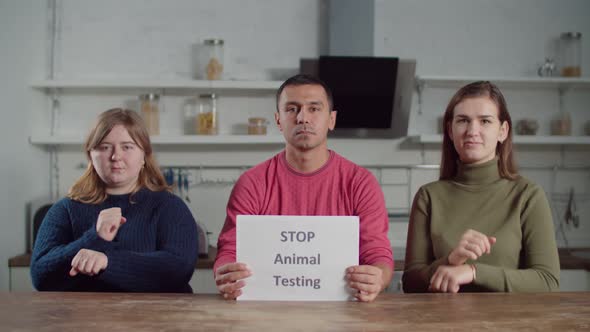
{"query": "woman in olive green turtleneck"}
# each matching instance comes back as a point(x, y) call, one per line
point(481, 227)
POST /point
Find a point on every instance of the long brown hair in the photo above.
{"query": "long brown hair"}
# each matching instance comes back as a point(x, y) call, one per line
point(90, 188)
point(506, 165)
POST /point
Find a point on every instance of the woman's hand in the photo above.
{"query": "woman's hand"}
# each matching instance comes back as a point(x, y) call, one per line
point(448, 279)
point(88, 262)
point(229, 281)
point(472, 245)
point(108, 223)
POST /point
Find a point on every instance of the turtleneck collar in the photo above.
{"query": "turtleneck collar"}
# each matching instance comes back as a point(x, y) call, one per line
point(471, 174)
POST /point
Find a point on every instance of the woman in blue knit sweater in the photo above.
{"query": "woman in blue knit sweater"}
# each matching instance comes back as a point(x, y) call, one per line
point(119, 229)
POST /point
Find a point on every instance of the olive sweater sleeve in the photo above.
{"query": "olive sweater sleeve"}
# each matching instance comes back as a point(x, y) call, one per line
point(420, 263)
point(539, 270)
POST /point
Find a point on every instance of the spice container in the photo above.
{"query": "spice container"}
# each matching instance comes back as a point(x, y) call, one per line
point(571, 54)
point(206, 121)
point(562, 125)
point(213, 61)
point(527, 127)
point(257, 126)
point(150, 112)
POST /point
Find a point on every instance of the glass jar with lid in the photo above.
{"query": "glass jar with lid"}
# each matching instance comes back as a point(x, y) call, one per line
point(571, 54)
point(149, 105)
point(257, 126)
point(206, 121)
point(213, 58)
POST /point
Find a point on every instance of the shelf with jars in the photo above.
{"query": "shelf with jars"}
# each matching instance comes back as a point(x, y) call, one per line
point(509, 82)
point(561, 125)
point(156, 84)
point(49, 140)
point(436, 139)
point(202, 118)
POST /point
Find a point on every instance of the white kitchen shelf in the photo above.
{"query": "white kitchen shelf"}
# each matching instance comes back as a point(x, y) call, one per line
point(518, 139)
point(48, 140)
point(518, 81)
point(156, 84)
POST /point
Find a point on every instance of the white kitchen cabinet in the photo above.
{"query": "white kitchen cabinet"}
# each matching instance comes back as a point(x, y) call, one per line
point(20, 279)
point(396, 283)
point(574, 281)
point(202, 281)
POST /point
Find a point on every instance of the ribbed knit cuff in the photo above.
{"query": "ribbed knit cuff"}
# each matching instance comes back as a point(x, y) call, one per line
point(91, 240)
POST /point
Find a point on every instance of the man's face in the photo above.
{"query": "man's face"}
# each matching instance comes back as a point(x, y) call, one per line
point(304, 116)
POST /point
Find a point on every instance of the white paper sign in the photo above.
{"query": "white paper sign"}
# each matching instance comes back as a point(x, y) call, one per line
point(297, 258)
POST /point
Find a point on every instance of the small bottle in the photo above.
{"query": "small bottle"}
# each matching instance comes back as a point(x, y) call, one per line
point(150, 112)
point(213, 58)
point(206, 121)
point(571, 54)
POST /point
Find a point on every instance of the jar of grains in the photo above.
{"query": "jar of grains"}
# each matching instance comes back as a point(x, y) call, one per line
point(206, 121)
point(213, 61)
point(257, 126)
point(150, 112)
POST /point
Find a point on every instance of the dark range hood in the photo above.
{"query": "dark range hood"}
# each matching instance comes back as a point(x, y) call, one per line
point(373, 95)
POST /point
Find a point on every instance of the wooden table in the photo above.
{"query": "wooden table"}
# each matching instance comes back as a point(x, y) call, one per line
point(405, 312)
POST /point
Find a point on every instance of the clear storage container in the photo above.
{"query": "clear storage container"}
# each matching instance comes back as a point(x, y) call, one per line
point(190, 115)
point(206, 121)
point(257, 126)
point(571, 54)
point(213, 61)
point(149, 105)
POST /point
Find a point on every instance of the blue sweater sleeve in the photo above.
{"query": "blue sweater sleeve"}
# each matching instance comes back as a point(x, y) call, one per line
point(55, 247)
point(167, 269)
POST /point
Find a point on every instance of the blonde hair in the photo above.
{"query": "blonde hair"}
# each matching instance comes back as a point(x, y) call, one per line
point(506, 165)
point(90, 188)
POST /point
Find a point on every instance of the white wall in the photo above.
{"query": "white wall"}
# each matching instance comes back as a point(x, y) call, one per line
point(494, 39)
point(478, 37)
point(155, 38)
point(264, 39)
point(23, 170)
point(351, 27)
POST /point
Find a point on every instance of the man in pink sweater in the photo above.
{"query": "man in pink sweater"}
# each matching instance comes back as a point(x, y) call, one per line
point(308, 179)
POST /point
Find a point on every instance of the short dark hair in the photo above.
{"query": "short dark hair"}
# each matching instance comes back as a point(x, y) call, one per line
point(304, 79)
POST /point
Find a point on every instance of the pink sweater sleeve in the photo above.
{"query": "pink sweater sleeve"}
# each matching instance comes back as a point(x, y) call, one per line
point(370, 206)
point(243, 200)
